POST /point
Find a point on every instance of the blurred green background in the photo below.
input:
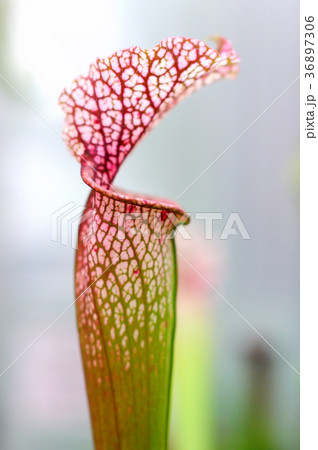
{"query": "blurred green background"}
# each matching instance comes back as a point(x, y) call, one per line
point(230, 390)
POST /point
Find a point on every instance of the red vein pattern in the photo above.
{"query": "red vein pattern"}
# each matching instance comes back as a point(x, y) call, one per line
point(125, 263)
point(123, 97)
point(126, 320)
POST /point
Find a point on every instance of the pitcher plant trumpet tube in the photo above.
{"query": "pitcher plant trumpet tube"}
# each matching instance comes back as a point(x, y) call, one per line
point(126, 276)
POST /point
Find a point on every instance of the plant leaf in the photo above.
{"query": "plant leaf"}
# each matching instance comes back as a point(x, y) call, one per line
point(123, 97)
point(125, 263)
point(126, 318)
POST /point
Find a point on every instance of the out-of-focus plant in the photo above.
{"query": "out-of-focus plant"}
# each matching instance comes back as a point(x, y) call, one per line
point(193, 418)
point(253, 425)
point(125, 263)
